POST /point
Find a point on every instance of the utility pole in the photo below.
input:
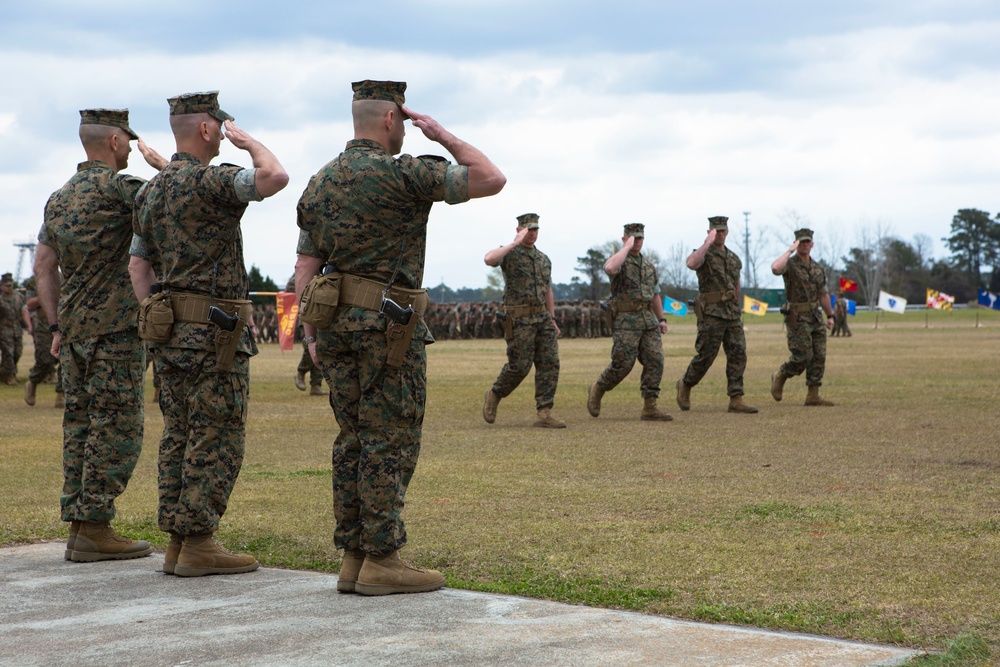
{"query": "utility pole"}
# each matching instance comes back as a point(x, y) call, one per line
point(746, 250)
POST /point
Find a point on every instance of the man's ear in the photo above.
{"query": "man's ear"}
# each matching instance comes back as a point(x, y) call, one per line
point(390, 118)
point(203, 130)
point(113, 142)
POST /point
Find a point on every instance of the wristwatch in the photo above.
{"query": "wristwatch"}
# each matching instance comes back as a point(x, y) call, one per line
point(663, 320)
point(53, 328)
point(309, 339)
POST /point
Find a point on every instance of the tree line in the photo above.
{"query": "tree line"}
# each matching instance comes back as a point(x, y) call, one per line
point(877, 259)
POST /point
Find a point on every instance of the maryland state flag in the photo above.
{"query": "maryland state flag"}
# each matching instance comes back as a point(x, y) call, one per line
point(848, 285)
point(939, 300)
point(754, 307)
point(288, 313)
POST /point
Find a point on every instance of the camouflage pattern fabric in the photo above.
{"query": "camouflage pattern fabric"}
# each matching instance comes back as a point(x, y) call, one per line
point(45, 363)
point(380, 410)
point(11, 333)
point(627, 346)
point(102, 423)
point(635, 281)
point(306, 366)
point(715, 332)
point(635, 335)
point(527, 276)
point(201, 450)
point(720, 272)
point(805, 282)
point(721, 324)
point(88, 224)
point(533, 342)
point(188, 218)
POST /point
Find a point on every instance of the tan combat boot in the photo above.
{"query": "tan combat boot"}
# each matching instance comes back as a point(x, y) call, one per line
point(594, 396)
point(318, 391)
point(201, 555)
point(683, 395)
point(651, 413)
point(490, 403)
point(74, 528)
point(777, 384)
point(546, 420)
point(350, 567)
point(813, 397)
point(384, 575)
point(99, 541)
point(173, 551)
point(60, 400)
point(300, 381)
point(736, 404)
point(29, 392)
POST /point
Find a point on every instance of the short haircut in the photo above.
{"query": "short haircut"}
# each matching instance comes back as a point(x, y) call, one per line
point(184, 125)
point(93, 136)
point(369, 113)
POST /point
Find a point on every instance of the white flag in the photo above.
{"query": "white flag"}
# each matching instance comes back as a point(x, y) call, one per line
point(891, 303)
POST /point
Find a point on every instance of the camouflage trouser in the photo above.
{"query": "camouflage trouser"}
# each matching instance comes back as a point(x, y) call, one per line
point(102, 423)
point(380, 411)
point(10, 350)
point(204, 433)
point(714, 332)
point(531, 343)
point(45, 363)
point(628, 345)
point(807, 343)
point(306, 365)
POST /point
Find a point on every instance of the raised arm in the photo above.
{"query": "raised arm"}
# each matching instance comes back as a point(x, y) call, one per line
point(271, 177)
point(697, 258)
point(495, 256)
point(485, 179)
point(614, 263)
point(778, 267)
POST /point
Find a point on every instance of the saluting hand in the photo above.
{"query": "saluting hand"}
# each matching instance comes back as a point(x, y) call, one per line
point(710, 239)
point(153, 159)
point(430, 127)
point(238, 137)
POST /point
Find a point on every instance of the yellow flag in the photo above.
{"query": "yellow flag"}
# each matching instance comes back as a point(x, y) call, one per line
point(753, 306)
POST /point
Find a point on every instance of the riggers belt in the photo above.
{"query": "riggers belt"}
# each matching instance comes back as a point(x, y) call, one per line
point(709, 298)
point(155, 320)
point(359, 292)
point(519, 311)
point(794, 309)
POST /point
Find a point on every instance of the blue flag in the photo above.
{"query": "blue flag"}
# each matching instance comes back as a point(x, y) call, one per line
point(673, 307)
point(852, 306)
point(989, 299)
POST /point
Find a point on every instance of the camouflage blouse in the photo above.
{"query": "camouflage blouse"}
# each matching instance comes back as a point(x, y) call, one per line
point(88, 223)
point(188, 219)
point(636, 281)
point(720, 272)
point(366, 212)
point(527, 274)
point(804, 281)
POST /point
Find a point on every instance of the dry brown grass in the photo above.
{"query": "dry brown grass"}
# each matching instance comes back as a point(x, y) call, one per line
point(878, 519)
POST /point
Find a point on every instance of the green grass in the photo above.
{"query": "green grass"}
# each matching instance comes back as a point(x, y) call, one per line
point(876, 520)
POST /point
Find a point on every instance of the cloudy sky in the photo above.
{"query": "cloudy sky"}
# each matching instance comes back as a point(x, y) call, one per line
point(847, 115)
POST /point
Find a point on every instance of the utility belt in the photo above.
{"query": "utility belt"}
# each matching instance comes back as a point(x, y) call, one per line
point(158, 312)
point(616, 306)
point(793, 310)
point(711, 298)
point(629, 306)
point(325, 293)
point(521, 310)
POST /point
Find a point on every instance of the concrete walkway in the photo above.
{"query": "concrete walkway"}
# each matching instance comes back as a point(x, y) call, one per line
point(54, 612)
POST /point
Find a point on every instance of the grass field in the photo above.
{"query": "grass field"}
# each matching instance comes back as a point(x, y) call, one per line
point(876, 520)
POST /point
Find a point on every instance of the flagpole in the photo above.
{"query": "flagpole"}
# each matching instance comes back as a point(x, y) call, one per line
point(877, 311)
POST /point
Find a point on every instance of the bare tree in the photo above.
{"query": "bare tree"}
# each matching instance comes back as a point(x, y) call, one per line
point(676, 275)
point(867, 260)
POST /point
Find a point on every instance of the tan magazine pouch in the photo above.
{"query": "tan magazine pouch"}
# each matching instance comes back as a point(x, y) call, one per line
point(155, 320)
point(318, 304)
point(508, 327)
